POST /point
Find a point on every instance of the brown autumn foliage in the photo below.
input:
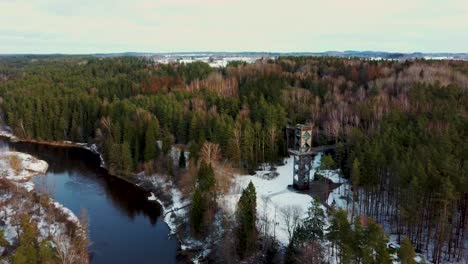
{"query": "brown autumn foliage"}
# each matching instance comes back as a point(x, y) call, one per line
point(15, 163)
point(215, 82)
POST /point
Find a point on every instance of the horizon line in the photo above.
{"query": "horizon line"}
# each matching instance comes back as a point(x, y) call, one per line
point(238, 52)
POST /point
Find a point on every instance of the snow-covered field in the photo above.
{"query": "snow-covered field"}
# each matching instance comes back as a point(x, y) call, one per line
point(273, 196)
point(215, 62)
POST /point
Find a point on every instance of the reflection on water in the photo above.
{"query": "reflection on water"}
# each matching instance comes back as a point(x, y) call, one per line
point(124, 226)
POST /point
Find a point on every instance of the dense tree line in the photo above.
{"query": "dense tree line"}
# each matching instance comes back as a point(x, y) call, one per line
point(400, 125)
point(100, 100)
point(412, 170)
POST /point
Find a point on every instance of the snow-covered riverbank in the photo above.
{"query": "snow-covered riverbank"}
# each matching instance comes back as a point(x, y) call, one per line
point(20, 168)
point(162, 191)
point(19, 199)
point(175, 212)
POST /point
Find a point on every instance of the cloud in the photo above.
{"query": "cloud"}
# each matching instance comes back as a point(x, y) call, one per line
point(67, 26)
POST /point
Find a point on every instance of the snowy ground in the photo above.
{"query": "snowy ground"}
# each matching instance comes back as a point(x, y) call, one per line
point(213, 61)
point(339, 196)
point(18, 200)
point(5, 132)
point(28, 167)
point(175, 214)
point(175, 208)
point(273, 196)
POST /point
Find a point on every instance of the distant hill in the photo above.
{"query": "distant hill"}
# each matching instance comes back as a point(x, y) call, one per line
point(344, 54)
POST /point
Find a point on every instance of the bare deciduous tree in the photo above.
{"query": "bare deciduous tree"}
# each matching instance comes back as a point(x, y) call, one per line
point(311, 253)
point(210, 153)
point(291, 215)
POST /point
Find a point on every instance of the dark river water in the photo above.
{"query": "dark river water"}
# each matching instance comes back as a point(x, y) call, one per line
point(124, 227)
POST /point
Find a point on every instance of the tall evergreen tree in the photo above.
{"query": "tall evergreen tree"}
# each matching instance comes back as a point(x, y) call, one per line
point(355, 177)
point(406, 252)
point(246, 220)
point(182, 159)
point(151, 135)
point(126, 159)
point(327, 163)
point(312, 227)
point(197, 211)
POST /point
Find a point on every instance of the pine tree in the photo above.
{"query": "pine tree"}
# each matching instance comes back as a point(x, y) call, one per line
point(194, 150)
point(406, 252)
point(3, 241)
point(46, 252)
point(340, 234)
point(167, 142)
point(378, 242)
point(27, 252)
point(126, 159)
point(360, 246)
point(355, 177)
point(197, 211)
point(313, 224)
point(246, 220)
point(327, 163)
point(206, 177)
point(247, 147)
point(151, 135)
point(311, 231)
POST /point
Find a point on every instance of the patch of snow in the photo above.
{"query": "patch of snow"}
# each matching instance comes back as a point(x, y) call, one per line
point(272, 196)
point(93, 148)
point(152, 197)
point(70, 215)
point(6, 132)
point(21, 177)
point(28, 167)
point(174, 209)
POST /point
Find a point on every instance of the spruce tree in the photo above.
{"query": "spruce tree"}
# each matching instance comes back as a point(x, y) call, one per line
point(182, 159)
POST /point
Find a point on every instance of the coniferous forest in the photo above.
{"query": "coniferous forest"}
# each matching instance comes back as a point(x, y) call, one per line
point(401, 130)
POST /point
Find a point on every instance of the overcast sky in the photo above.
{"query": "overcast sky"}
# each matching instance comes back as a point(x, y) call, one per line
point(95, 26)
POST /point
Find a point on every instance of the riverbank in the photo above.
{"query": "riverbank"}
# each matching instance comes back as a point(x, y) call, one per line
point(56, 228)
point(160, 187)
point(91, 147)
